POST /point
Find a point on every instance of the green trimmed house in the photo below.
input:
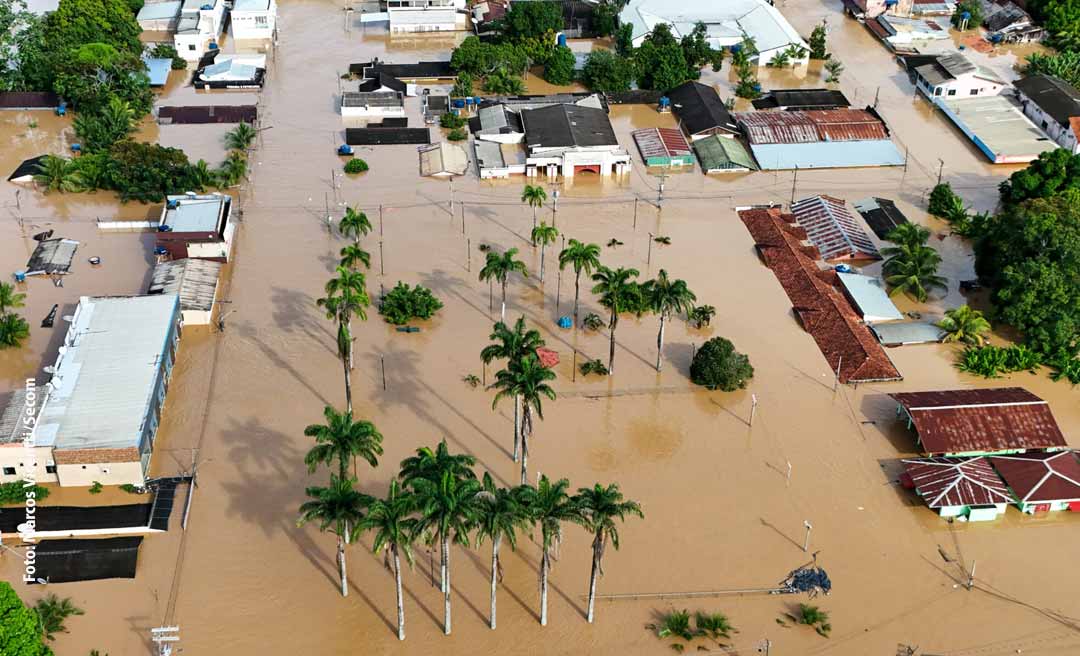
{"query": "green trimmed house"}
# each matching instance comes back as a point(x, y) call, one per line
point(718, 154)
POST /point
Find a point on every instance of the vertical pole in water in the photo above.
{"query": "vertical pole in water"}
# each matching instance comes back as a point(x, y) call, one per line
point(794, 180)
point(451, 198)
point(836, 380)
point(468, 255)
point(380, 221)
point(382, 362)
point(971, 576)
point(574, 375)
point(558, 286)
point(941, 168)
point(648, 260)
point(326, 197)
point(463, 218)
point(788, 483)
point(382, 269)
point(806, 541)
point(877, 94)
point(753, 409)
point(635, 212)
point(485, 374)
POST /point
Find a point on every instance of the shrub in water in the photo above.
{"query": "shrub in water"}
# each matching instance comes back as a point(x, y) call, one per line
point(718, 366)
point(403, 303)
point(356, 165)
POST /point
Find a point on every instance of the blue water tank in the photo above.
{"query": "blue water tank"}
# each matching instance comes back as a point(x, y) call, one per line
point(161, 250)
point(344, 149)
point(665, 101)
point(20, 276)
point(61, 109)
point(164, 228)
point(75, 148)
point(469, 100)
point(561, 40)
point(213, 45)
point(966, 15)
point(458, 103)
point(565, 322)
point(736, 48)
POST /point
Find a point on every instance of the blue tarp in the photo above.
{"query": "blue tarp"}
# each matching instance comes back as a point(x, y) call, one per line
point(158, 70)
point(827, 155)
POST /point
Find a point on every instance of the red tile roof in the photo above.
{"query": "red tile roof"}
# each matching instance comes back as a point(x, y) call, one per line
point(1041, 477)
point(661, 142)
point(811, 126)
point(1074, 124)
point(957, 482)
point(981, 420)
point(817, 299)
point(833, 229)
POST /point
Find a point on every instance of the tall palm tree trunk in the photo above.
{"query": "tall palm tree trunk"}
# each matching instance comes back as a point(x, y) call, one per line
point(348, 383)
point(494, 575)
point(491, 294)
point(341, 566)
point(517, 427)
point(400, 600)
point(534, 223)
point(543, 248)
point(503, 314)
point(524, 456)
point(611, 352)
point(545, 564)
point(593, 576)
point(660, 343)
point(446, 584)
point(577, 293)
point(348, 331)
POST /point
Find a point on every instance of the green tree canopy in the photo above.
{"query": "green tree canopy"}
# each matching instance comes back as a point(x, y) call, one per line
point(661, 61)
point(20, 633)
point(718, 366)
point(78, 22)
point(1052, 173)
point(533, 20)
point(606, 71)
point(560, 67)
point(148, 172)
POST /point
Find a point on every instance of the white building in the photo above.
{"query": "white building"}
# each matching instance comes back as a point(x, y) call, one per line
point(197, 226)
point(253, 19)
point(99, 413)
point(727, 23)
point(1054, 105)
point(953, 75)
point(374, 104)
point(201, 22)
point(232, 72)
point(408, 16)
point(159, 16)
point(572, 139)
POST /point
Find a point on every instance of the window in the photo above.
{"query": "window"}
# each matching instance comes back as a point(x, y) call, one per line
point(191, 46)
point(937, 91)
point(9, 471)
point(260, 21)
point(952, 92)
point(974, 92)
point(50, 469)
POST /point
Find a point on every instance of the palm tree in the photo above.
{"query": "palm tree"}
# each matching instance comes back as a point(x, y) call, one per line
point(431, 463)
point(535, 196)
point(119, 115)
point(600, 507)
point(909, 234)
point(58, 174)
point(234, 168)
point(583, 257)
point(499, 267)
point(667, 297)
point(525, 380)
point(614, 288)
point(346, 296)
point(544, 234)
point(499, 516)
point(549, 505)
point(341, 439)
point(240, 137)
point(204, 175)
point(912, 269)
point(354, 224)
point(339, 508)
point(964, 324)
point(9, 298)
point(352, 255)
point(448, 512)
point(52, 611)
point(13, 330)
point(395, 532)
point(513, 345)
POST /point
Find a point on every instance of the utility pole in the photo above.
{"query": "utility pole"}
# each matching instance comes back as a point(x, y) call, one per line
point(877, 94)
point(558, 285)
point(648, 260)
point(382, 269)
point(941, 168)
point(753, 409)
point(635, 212)
point(794, 181)
point(468, 255)
point(660, 191)
point(380, 221)
point(452, 199)
point(554, 205)
point(971, 577)
point(806, 541)
point(463, 218)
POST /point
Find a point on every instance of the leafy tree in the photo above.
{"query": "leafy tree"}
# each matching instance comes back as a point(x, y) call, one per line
point(624, 40)
point(167, 51)
point(14, 18)
point(463, 86)
point(100, 130)
point(781, 59)
point(834, 68)
point(909, 234)
point(353, 255)
point(395, 532)
point(341, 439)
point(559, 69)
point(346, 297)
point(605, 20)
point(967, 15)
point(600, 506)
point(525, 379)
point(534, 20)
point(550, 506)
point(718, 366)
point(512, 345)
point(499, 267)
point(818, 42)
point(1052, 173)
point(502, 82)
point(606, 71)
point(356, 165)
point(91, 75)
point(457, 134)
point(403, 304)
point(667, 297)
point(500, 515)
point(815, 617)
point(544, 235)
point(701, 315)
point(201, 173)
point(52, 612)
point(78, 22)
point(472, 57)
point(714, 625)
point(696, 49)
point(661, 62)
point(58, 174)
point(339, 508)
point(616, 290)
point(535, 196)
point(147, 172)
point(746, 70)
point(676, 624)
point(964, 324)
point(451, 121)
point(20, 630)
point(943, 200)
point(15, 493)
point(431, 463)
point(582, 257)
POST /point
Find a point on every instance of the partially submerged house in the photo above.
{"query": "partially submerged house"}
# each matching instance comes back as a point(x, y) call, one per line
point(199, 25)
point(903, 34)
point(700, 111)
point(194, 281)
point(869, 297)
point(497, 123)
point(958, 487)
point(1007, 22)
point(833, 230)
point(726, 23)
point(996, 125)
point(968, 422)
point(820, 307)
point(904, 333)
point(253, 19)
point(377, 104)
point(499, 160)
point(1054, 105)
point(407, 16)
point(881, 214)
point(199, 226)
point(157, 69)
point(218, 71)
point(830, 138)
point(159, 16)
point(802, 99)
point(664, 147)
point(954, 75)
point(25, 173)
point(572, 139)
point(718, 154)
point(443, 160)
point(387, 135)
point(52, 257)
point(1042, 482)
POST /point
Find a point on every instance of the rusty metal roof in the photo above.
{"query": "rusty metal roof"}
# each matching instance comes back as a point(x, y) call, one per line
point(833, 229)
point(661, 142)
point(945, 482)
point(981, 420)
point(1041, 477)
point(811, 126)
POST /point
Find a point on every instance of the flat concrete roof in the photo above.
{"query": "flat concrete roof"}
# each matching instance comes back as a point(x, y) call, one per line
point(998, 127)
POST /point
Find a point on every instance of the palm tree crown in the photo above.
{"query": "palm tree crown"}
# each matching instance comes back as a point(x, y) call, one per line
point(240, 137)
point(964, 324)
point(352, 255)
point(583, 257)
point(615, 289)
point(499, 267)
point(912, 269)
point(430, 463)
point(59, 174)
point(343, 439)
point(9, 298)
point(667, 297)
point(354, 224)
point(511, 344)
point(525, 380)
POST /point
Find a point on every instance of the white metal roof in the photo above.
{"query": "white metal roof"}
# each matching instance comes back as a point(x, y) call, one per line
point(726, 21)
point(870, 297)
point(185, 213)
point(159, 10)
point(251, 5)
point(105, 372)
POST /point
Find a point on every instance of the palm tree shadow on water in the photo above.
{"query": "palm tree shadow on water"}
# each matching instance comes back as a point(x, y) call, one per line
point(247, 332)
point(293, 314)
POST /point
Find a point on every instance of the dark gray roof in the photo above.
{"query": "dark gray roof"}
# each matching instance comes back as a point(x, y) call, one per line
point(567, 126)
point(699, 108)
point(386, 136)
point(1055, 96)
point(802, 99)
point(371, 99)
point(29, 167)
point(380, 80)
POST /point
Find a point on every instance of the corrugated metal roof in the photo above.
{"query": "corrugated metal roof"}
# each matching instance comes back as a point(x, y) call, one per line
point(12, 426)
point(981, 420)
point(1041, 477)
point(808, 126)
point(661, 142)
point(52, 256)
point(187, 213)
point(944, 482)
point(881, 214)
point(193, 280)
point(717, 153)
point(371, 99)
point(101, 389)
point(159, 10)
point(826, 155)
point(898, 333)
point(868, 294)
point(833, 229)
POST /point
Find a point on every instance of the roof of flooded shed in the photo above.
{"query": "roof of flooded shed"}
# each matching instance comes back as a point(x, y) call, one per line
point(832, 228)
point(661, 142)
point(981, 420)
point(767, 127)
point(943, 482)
point(1041, 477)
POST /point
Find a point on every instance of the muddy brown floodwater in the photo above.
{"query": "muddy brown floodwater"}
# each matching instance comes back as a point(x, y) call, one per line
point(719, 511)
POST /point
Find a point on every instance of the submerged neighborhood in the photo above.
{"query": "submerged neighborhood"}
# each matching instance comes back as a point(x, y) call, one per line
point(307, 301)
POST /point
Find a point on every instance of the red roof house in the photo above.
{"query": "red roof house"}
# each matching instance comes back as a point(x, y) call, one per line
point(1042, 482)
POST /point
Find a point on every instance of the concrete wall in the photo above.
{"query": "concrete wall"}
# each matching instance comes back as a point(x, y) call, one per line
point(112, 473)
point(960, 88)
point(14, 456)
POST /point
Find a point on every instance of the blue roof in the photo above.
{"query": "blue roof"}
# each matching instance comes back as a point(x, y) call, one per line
point(158, 70)
point(870, 298)
point(827, 155)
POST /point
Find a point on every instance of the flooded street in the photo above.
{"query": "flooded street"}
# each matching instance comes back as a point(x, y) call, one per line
point(720, 511)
